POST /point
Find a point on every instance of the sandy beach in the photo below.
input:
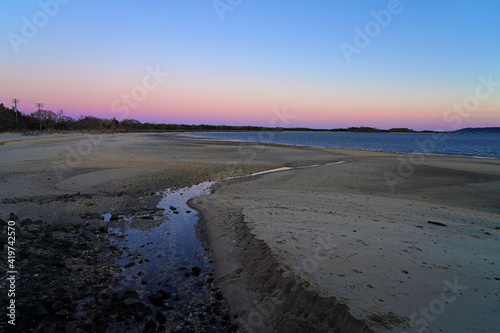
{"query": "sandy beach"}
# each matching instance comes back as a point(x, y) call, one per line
point(328, 245)
point(340, 232)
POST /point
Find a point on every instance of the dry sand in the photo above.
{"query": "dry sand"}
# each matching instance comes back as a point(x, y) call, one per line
point(341, 232)
point(292, 247)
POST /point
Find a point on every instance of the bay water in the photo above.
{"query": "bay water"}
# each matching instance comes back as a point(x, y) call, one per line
point(474, 145)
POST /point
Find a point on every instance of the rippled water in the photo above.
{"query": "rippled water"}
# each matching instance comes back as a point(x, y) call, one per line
point(477, 145)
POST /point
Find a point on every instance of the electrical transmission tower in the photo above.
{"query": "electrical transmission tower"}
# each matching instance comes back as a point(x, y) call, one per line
point(40, 105)
point(15, 101)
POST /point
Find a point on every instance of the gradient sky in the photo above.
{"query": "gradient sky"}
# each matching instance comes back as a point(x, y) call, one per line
point(245, 62)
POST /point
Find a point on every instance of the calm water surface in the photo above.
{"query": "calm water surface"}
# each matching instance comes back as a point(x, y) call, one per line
point(477, 145)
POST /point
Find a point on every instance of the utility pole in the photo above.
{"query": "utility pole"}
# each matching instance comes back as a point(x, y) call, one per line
point(15, 101)
point(40, 105)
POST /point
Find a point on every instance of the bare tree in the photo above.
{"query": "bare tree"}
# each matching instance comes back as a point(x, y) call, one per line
point(46, 118)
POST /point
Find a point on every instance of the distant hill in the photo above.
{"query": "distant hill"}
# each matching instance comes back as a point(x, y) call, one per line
point(479, 130)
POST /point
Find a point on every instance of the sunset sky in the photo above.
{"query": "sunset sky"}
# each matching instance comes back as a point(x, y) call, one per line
point(291, 63)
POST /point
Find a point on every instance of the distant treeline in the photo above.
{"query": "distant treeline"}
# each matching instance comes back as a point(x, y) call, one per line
point(45, 120)
point(479, 130)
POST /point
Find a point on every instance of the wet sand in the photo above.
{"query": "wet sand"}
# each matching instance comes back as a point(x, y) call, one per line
point(292, 247)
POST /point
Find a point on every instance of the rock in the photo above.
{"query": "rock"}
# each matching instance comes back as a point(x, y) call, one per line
point(24, 253)
point(172, 208)
point(437, 223)
point(58, 262)
point(13, 217)
point(233, 328)
point(57, 305)
point(70, 227)
point(160, 317)
point(130, 297)
point(139, 316)
point(104, 297)
point(103, 229)
point(226, 318)
point(80, 315)
point(114, 217)
point(130, 264)
point(150, 325)
point(26, 222)
point(32, 235)
point(73, 252)
point(130, 293)
point(62, 313)
point(95, 215)
point(218, 295)
point(39, 311)
point(164, 294)
point(85, 235)
point(131, 301)
point(196, 271)
point(66, 244)
point(156, 299)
